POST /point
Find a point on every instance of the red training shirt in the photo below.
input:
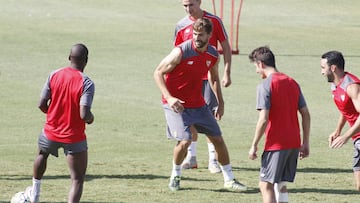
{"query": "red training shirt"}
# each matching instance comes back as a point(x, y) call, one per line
point(67, 89)
point(185, 80)
point(281, 95)
point(184, 31)
point(344, 102)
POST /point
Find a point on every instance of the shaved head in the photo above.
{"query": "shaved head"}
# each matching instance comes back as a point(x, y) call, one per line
point(79, 51)
point(79, 56)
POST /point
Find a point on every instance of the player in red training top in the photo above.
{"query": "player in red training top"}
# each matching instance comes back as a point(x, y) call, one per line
point(66, 99)
point(179, 78)
point(279, 99)
point(183, 32)
point(345, 89)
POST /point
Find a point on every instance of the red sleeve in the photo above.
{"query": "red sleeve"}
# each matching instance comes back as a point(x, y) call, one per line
point(219, 30)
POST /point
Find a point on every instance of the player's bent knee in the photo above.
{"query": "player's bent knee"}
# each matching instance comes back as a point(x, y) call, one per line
point(281, 187)
point(184, 144)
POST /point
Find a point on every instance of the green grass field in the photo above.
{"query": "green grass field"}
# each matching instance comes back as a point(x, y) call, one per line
point(129, 155)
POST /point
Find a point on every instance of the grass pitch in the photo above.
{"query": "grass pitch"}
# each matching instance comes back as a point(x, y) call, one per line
point(129, 156)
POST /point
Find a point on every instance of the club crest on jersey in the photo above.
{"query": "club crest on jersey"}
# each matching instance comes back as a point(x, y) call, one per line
point(208, 63)
point(342, 97)
point(190, 62)
point(187, 30)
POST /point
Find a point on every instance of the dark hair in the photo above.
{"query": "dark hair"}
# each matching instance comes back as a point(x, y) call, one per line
point(203, 24)
point(334, 58)
point(263, 54)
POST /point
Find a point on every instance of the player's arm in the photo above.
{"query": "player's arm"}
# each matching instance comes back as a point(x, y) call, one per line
point(86, 101)
point(166, 66)
point(337, 132)
point(45, 96)
point(226, 80)
point(259, 131)
point(86, 114)
point(305, 121)
point(353, 91)
point(214, 80)
point(43, 105)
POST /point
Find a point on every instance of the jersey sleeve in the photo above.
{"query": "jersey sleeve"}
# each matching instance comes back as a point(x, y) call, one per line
point(263, 96)
point(88, 92)
point(219, 30)
point(302, 102)
point(46, 92)
point(178, 40)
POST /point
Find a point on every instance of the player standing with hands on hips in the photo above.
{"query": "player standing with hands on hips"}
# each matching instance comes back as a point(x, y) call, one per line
point(279, 99)
point(66, 99)
point(345, 88)
point(183, 32)
point(179, 78)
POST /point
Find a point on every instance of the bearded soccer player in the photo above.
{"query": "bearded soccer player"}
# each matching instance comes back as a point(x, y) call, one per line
point(345, 88)
point(179, 78)
point(183, 32)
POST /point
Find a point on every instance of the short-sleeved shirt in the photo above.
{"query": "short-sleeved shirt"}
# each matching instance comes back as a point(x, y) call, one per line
point(185, 80)
point(184, 31)
point(344, 102)
point(282, 96)
point(66, 88)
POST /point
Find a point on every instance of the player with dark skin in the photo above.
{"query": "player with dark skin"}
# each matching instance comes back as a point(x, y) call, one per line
point(77, 162)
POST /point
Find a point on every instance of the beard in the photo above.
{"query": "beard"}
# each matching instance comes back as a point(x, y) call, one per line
point(330, 77)
point(200, 44)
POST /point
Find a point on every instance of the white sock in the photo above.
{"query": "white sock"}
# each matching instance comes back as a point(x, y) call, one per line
point(176, 170)
point(192, 149)
point(35, 192)
point(227, 172)
point(212, 153)
point(276, 191)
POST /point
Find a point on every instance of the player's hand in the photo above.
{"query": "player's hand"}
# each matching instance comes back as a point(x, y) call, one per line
point(226, 80)
point(339, 142)
point(304, 151)
point(176, 104)
point(91, 119)
point(332, 137)
point(252, 152)
point(219, 112)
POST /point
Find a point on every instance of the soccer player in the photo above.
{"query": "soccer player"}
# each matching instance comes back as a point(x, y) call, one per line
point(179, 78)
point(183, 32)
point(345, 88)
point(279, 99)
point(66, 99)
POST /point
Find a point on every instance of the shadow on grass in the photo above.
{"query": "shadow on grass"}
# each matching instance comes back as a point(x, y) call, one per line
point(323, 191)
point(90, 177)
point(303, 170)
point(294, 190)
point(324, 170)
point(221, 190)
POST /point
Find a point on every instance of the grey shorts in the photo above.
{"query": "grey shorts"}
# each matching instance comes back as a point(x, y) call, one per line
point(209, 96)
point(178, 124)
point(51, 147)
point(356, 159)
point(278, 166)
